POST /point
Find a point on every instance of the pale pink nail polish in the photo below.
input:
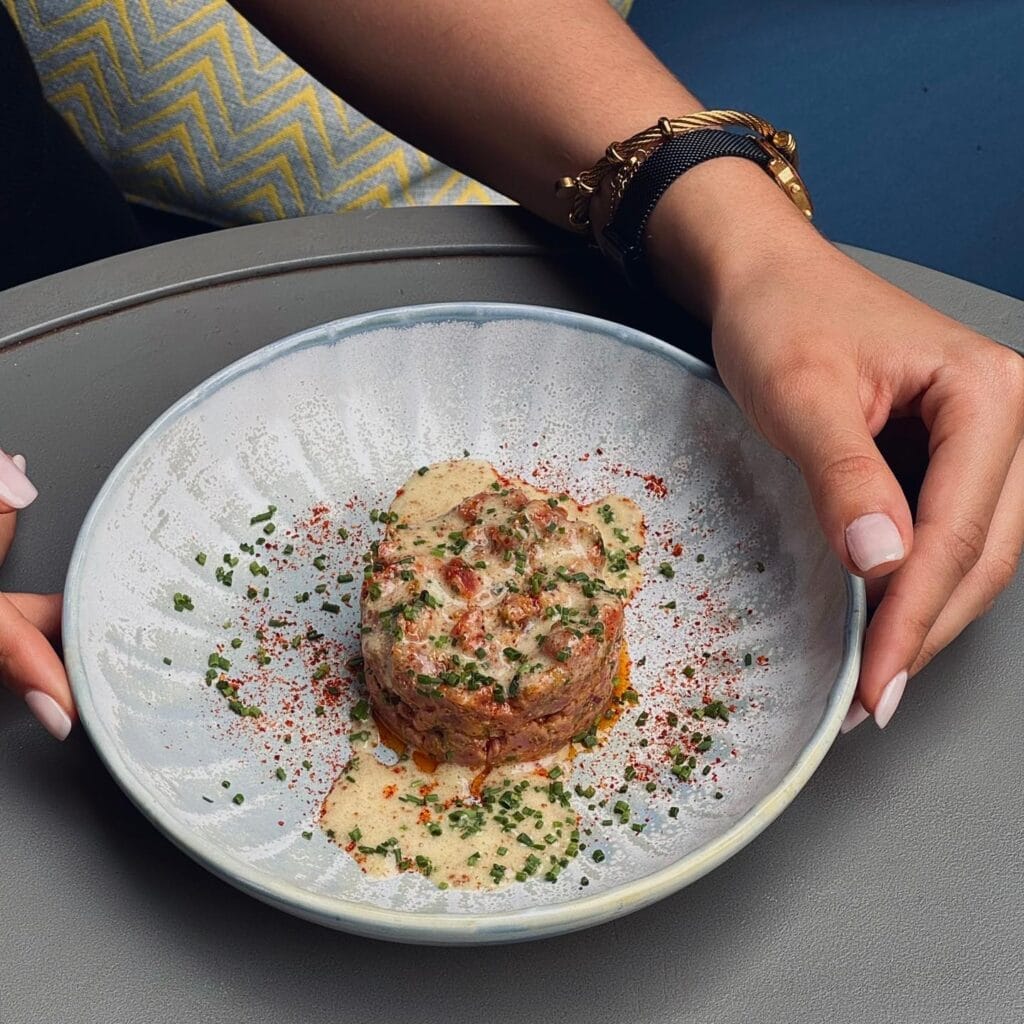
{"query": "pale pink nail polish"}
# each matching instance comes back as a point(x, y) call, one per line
point(890, 699)
point(16, 489)
point(872, 540)
point(53, 717)
point(857, 714)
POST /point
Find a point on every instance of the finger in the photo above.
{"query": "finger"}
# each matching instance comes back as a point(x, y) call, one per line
point(8, 523)
point(9, 520)
point(16, 490)
point(29, 667)
point(973, 442)
point(859, 503)
point(43, 611)
point(991, 576)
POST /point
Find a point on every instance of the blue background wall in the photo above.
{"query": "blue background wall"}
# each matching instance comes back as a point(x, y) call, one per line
point(909, 114)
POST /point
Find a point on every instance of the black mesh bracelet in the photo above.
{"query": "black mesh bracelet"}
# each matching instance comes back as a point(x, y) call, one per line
point(624, 233)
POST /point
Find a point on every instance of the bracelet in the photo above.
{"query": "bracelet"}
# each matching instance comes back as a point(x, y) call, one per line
point(638, 191)
point(623, 159)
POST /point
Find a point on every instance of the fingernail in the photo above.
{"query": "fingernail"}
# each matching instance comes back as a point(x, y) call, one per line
point(857, 714)
point(16, 489)
point(890, 699)
point(52, 716)
point(872, 540)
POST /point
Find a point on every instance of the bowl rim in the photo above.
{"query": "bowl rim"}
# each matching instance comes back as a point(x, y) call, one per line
point(441, 928)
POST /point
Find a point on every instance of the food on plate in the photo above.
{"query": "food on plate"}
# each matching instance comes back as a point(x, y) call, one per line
point(492, 614)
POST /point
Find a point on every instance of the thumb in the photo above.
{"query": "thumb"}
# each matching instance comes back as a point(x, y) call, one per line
point(858, 501)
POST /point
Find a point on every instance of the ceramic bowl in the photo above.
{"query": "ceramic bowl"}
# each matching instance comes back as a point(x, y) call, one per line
point(339, 415)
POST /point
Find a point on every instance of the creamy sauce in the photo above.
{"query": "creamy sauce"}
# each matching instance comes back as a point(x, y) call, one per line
point(393, 818)
point(429, 495)
point(394, 813)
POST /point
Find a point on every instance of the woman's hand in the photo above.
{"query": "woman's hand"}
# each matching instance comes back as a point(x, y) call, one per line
point(30, 623)
point(820, 354)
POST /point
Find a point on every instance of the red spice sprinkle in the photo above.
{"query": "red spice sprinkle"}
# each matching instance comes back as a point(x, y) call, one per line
point(287, 693)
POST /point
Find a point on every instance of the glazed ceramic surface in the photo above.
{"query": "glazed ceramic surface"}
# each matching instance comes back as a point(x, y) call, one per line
point(345, 410)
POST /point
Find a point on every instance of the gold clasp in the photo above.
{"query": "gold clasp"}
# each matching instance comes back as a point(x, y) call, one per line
point(787, 178)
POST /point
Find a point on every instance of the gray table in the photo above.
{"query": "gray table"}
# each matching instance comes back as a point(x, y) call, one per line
point(891, 890)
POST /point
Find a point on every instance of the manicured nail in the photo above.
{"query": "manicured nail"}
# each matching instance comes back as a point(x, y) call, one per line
point(873, 540)
point(16, 489)
point(52, 716)
point(857, 714)
point(890, 699)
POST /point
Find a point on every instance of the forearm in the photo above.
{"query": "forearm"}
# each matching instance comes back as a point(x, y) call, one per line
point(519, 94)
point(514, 93)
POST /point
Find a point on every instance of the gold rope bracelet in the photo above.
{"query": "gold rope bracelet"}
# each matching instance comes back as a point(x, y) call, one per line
point(622, 160)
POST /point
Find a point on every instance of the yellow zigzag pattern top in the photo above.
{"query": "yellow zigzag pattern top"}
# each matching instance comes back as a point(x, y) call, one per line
point(190, 109)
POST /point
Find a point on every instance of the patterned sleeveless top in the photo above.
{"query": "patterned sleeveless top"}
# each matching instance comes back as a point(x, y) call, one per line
point(191, 110)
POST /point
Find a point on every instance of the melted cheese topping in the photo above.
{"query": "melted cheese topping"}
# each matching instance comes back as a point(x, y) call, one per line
point(433, 494)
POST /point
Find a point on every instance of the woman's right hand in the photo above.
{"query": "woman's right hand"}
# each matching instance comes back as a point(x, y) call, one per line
point(30, 623)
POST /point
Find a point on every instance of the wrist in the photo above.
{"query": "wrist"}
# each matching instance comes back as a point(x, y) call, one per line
point(717, 228)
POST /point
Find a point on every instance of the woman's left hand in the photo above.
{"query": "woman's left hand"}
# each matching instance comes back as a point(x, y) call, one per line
point(29, 632)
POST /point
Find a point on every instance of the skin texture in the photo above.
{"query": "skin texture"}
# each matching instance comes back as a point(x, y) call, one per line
point(818, 352)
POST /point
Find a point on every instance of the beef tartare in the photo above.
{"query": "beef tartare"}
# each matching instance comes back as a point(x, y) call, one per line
point(492, 621)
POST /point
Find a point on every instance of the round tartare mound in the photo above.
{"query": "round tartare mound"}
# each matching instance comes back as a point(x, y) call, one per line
point(490, 633)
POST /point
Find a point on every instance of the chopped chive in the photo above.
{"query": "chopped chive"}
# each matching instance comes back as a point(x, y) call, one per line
point(201, 558)
point(238, 799)
point(281, 774)
point(167, 661)
point(263, 516)
point(666, 570)
point(329, 606)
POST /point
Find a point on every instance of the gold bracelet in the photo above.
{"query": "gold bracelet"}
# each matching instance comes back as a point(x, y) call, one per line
point(622, 159)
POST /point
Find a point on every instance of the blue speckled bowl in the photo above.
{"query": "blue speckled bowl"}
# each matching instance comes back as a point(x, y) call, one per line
point(349, 408)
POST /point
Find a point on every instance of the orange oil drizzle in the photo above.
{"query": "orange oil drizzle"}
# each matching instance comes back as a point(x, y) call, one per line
point(613, 712)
